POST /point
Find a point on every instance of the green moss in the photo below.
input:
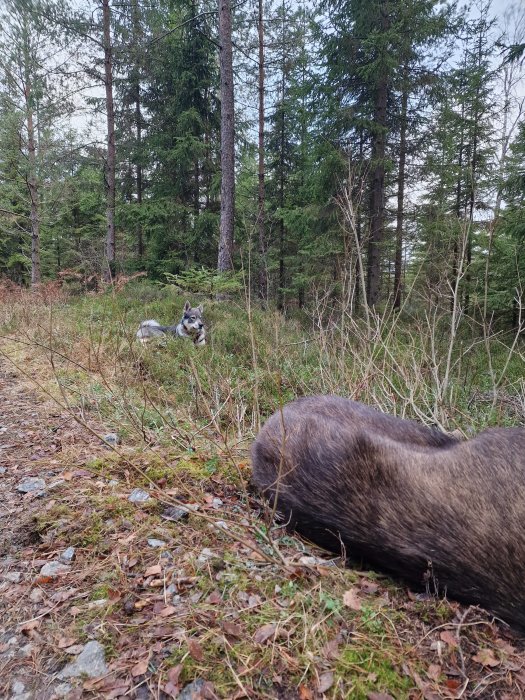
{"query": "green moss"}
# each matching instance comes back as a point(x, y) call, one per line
point(365, 669)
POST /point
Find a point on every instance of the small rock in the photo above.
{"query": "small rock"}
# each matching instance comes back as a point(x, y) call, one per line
point(26, 650)
point(91, 662)
point(113, 482)
point(31, 484)
point(13, 576)
point(112, 439)
point(62, 691)
point(67, 555)
point(18, 691)
point(156, 543)
point(3, 470)
point(139, 496)
point(220, 524)
point(176, 599)
point(216, 503)
point(54, 568)
point(36, 595)
point(175, 513)
point(206, 555)
point(195, 690)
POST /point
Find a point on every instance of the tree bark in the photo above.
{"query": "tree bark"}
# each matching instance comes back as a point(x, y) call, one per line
point(225, 258)
point(138, 123)
point(109, 271)
point(32, 183)
point(377, 189)
point(398, 269)
point(263, 272)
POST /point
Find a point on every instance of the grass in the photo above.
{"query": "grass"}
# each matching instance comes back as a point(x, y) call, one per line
point(186, 417)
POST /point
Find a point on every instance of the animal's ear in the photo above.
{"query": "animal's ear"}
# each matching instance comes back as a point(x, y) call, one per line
point(201, 308)
point(187, 306)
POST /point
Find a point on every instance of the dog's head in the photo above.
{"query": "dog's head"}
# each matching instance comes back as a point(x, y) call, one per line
point(192, 319)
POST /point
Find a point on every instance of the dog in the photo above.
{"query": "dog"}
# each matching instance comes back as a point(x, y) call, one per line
point(191, 326)
point(440, 513)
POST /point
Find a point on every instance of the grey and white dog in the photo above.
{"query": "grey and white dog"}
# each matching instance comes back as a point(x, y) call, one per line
point(191, 326)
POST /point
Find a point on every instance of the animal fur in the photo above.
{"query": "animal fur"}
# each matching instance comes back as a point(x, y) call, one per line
point(407, 499)
point(191, 326)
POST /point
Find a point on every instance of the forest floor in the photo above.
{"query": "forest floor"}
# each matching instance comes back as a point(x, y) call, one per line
point(173, 609)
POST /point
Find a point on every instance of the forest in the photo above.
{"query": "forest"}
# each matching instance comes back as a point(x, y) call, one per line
point(333, 193)
point(371, 150)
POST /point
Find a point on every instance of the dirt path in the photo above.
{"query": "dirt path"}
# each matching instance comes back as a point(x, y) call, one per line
point(35, 438)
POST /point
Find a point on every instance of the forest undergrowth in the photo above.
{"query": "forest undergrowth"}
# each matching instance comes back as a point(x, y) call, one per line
point(226, 599)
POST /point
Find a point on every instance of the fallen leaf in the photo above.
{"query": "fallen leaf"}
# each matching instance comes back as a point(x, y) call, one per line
point(351, 599)
point(326, 681)
point(153, 570)
point(486, 657)
point(42, 580)
point(305, 693)
point(64, 642)
point(264, 633)
point(449, 638)
point(113, 595)
point(141, 667)
point(214, 598)
point(195, 650)
point(174, 674)
point(232, 629)
point(168, 610)
point(434, 672)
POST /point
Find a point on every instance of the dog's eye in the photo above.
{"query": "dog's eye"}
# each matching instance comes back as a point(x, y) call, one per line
point(192, 318)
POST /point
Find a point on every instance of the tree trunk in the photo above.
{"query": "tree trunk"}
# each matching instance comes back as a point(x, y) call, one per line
point(263, 272)
point(398, 270)
point(109, 271)
point(32, 184)
point(377, 189)
point(138, 124)
point(225, 258)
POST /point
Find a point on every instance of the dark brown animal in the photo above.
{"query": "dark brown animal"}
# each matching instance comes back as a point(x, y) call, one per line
point(407, 499)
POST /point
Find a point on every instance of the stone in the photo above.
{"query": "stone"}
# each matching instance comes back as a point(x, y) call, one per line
point(156, 543)
point(206, 555)
point(54, 568)
point(13, 576)
point(195, 690)
point(90, 662)
point(3, 470)
point(139, 496)
point(112, 483)
point(36, 595)
point(112, 439)
point(18, 691)
point(216, 503)
point(62, 690)
point(31, 484)
point(175, 513)
point(67, 555)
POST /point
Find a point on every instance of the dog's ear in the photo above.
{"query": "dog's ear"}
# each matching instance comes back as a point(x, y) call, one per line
point(187, 306)
point(200, 307)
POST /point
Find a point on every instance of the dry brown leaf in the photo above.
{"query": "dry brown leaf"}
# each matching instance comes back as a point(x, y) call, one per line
point(64, 642)
point(232, 629)
point(449, 638)
point(195, 649)
point(168, 610)
point(154, 570)
point(264, 633)
point(486, 658)
point(351, 599)
point(434, 672)
point(305, 693)
point(214, 598)
point(326, 681)
point(140, 668)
